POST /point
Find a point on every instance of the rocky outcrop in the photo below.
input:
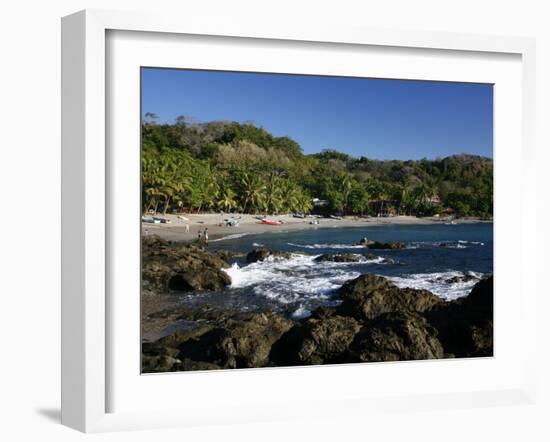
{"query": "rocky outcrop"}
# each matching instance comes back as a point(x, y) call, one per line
point(204, 278)
point(465, 326)
point(369, 296)
point(395, 337)
point(261, 254)
point(376, 321)
point(182, 267)
point(241, 341)
point(318, 340)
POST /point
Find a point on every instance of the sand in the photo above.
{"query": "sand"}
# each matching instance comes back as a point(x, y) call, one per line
point(249, 224)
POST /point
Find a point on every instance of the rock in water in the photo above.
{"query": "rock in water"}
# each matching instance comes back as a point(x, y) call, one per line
point(385, 245)
point(465, 325)
point(396, 337)
point(261, 254)
point(319, 340)
point(368, 296)
point(341, 257)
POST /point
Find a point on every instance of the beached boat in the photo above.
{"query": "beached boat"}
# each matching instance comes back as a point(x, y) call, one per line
point(162, 220)
point(150, 220)
point(270, 222)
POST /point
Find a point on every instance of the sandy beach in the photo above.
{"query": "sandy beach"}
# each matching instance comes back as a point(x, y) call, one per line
point(176, 230)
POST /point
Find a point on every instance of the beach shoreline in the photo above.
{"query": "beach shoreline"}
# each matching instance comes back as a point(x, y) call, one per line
point(176, 230)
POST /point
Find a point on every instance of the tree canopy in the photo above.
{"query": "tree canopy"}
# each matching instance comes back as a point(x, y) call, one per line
point(231, 166)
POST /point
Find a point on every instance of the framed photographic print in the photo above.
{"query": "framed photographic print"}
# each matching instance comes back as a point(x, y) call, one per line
point(275, 222)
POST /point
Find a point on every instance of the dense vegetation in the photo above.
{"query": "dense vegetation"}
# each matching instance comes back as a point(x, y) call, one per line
point(228, 166)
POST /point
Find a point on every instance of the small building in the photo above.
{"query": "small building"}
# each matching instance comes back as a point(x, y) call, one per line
point(319, 203)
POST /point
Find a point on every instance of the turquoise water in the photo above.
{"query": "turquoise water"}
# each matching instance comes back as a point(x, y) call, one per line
point(297, 285)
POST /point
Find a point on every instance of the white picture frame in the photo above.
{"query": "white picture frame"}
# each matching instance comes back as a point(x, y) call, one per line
point(86, 315)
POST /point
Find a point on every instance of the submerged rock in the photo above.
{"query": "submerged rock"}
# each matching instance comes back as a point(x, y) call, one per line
point(369, 296)
point(261, 254)
point(341, 257)
point(396, 337)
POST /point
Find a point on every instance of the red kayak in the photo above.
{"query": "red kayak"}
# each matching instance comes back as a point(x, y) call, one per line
point(271, 223)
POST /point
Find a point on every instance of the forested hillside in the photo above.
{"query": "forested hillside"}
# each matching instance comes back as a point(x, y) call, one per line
point(230, 166)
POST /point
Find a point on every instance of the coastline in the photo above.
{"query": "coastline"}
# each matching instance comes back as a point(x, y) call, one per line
point(250, 225)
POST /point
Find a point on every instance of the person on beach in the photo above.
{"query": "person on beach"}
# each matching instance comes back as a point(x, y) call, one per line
point(206, 235)
point(200, 235)
point(187, 228)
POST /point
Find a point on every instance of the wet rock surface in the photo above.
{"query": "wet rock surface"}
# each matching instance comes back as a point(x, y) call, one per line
point(261, 254)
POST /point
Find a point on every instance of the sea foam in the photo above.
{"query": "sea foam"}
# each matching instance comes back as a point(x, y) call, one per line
point(447, 285)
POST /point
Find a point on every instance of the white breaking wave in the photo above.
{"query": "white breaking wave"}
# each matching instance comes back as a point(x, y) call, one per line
point(448, 285)
point(292, 280)
point(460, 244)
point(327, 246)
point(232, 236)
point(301, 313)
point(257, 244)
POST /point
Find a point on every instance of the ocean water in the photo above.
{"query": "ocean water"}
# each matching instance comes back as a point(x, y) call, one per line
point(298, 285)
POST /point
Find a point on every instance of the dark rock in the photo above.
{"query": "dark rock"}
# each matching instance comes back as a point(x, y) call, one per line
point(227, 255)
point(462, 278)
point(385, 245)
point(396, 337)
point(241, 342)
point(175, 266)
point(323, 312)
point(261, 254)
point(368, 296)
point(190, 365)
point(319, 340)
point(207, 279)
point(158, 364)
point(465, 325)
point(343, 257)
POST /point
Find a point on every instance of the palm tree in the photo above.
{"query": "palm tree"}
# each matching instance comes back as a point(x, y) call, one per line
point(346, 185)
point(226, 199)
point(253, 189)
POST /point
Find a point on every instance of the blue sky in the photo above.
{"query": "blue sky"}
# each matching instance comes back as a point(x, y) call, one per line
point(382, 119)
